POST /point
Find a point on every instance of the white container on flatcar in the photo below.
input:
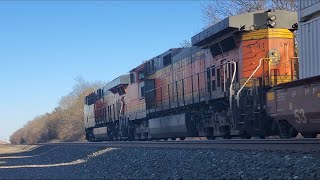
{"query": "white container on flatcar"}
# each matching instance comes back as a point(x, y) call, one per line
point(309, 38)
point(309, 44)
point(307, 8)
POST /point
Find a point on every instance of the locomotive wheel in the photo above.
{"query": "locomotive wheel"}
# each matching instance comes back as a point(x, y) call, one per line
point(182, 138)
point(145, 136)
point(210, 137)
point(245, 136)
point(288, 134)
point(91, 137)
point(131, 134)
point(286, 130)
point(262, 137)
point(173, 139)
point(227, 136)
point(116, 138)
point(139, 136)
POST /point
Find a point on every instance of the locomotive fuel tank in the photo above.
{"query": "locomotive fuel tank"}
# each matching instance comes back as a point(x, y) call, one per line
point(101, 134)
point(180, 125)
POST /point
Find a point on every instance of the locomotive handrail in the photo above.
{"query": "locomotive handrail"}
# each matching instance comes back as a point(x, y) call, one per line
point(191, 76)
point(231, 91)
point(293, 66)
point(260, 63)
point(231, 84)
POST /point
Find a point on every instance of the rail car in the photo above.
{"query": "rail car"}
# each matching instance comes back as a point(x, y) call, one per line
point(296, 107)
point(226, 85)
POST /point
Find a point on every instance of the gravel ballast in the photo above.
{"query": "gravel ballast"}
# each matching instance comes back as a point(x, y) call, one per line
point(86, 162)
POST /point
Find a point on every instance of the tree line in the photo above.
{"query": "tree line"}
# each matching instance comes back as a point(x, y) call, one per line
point(64, 123)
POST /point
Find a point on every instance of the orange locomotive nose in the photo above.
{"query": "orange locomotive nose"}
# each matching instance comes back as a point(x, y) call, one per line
point(277, 46)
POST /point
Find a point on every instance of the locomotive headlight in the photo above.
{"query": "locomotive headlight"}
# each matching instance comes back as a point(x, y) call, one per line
point(272, 24)
point(272, 17)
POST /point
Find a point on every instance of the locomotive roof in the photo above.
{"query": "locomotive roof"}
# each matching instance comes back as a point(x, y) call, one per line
point(245, 22)
point(121, 80)
point(186, 52)
point(173, 51)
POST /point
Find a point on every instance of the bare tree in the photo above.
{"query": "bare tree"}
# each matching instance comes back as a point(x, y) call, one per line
point(216, 10)
point(64, 123)
point(289, 5)
point(185, 44)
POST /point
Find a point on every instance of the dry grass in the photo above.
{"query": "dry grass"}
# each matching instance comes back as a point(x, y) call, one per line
point(8, 149)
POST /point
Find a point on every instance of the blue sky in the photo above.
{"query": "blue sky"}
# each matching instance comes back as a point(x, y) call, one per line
point(45, 45)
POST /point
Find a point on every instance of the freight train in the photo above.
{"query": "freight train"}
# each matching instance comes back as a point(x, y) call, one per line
point(239, 79)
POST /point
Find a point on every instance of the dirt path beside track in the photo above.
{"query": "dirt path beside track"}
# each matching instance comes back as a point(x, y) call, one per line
point(10, 149)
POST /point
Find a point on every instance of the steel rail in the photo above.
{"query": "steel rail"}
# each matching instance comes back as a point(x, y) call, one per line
point(201, 142)
point(301, 145)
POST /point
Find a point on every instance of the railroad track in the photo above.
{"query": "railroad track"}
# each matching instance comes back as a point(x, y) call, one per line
point(305, 145)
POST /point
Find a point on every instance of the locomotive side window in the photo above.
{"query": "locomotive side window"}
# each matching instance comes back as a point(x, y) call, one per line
point(213, 72)
point(167, 60)
point(114, 112)
point(211, 76)
point(152, 65)
point(213, 85)
point(109, 112)
point(142, 90)
point(215, 50)
point(149, 70)
point(237, 73)
point(228, 44)
point(132, 78)
point(218, 77)
point(208, 80)
point(141, 75)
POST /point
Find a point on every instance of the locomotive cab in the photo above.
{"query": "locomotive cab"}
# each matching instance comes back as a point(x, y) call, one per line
point(105, 110)
point(261, 45)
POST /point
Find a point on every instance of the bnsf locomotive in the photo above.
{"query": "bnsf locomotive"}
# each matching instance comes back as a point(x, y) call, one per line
point(235, 81)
